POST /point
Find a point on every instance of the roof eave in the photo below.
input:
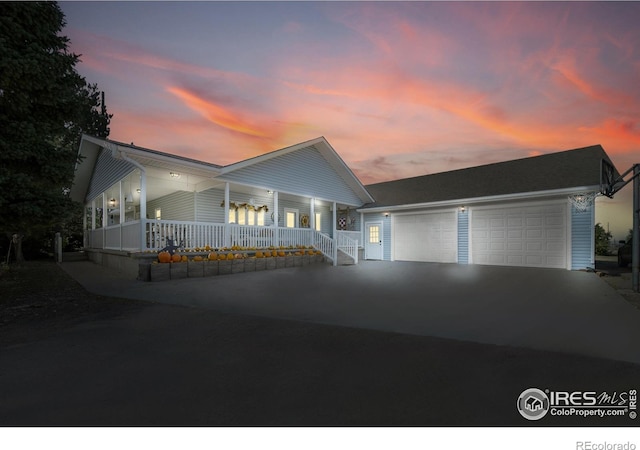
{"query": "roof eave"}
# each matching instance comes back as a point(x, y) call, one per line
point(485, 199)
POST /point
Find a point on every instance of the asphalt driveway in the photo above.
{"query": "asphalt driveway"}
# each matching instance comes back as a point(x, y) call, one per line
point(543, 309)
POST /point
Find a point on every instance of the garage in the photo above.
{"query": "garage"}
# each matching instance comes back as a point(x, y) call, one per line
point(428, 237)
point(531, 236)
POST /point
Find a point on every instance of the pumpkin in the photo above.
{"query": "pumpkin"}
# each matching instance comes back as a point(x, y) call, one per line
point(164, 257)
point(281, 253)
point(259, 255)
point(238, 256)
point(197, 258)
point(213, 256)
point(176, 258)
point(184, 258)
point(310, 252)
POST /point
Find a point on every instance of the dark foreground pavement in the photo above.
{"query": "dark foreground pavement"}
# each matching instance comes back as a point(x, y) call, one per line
point(170, 365)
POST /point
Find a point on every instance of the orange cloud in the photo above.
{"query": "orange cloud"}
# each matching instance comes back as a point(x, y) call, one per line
point(217, 114)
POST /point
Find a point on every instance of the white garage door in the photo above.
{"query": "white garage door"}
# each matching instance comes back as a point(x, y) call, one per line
point(426, 237)
point(533, 236)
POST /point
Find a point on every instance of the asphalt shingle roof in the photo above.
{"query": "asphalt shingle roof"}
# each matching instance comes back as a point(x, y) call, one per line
point(562, 170)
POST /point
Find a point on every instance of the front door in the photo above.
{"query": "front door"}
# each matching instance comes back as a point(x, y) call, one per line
point(373, 240)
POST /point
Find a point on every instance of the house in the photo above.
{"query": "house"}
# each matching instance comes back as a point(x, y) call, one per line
point(136, 199)
point(526, 212)
point(535, 212)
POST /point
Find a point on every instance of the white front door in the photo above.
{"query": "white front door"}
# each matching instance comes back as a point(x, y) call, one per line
point(373, 240)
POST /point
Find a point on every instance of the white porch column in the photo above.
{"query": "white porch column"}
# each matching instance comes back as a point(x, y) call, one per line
point(93, 214)
point(105, 218)
point(143, 210)
point(334, 234)
point(276, 241)
point(226, 215)
point(123, 211)
point(312, 220)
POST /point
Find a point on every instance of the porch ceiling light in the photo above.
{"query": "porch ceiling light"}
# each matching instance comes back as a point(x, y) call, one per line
point(174, 174)
point(269, 191)
point(112, 202)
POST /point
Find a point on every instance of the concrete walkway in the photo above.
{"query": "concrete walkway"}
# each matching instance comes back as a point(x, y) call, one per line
point(544, 309)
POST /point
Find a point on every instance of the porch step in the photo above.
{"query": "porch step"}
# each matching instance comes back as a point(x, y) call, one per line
point(74, 256)
point(344, 259)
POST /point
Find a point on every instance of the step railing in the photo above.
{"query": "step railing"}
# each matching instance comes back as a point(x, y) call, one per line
point(326, 245)
point(348, 246)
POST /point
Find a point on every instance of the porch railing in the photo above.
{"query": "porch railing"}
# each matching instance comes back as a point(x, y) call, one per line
point(154, 235)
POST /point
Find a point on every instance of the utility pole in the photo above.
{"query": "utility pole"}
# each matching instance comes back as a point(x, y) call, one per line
point(635, 248)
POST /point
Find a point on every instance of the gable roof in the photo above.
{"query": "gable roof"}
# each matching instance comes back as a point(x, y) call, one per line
point(322, 171)
point(90, 148)
point(577, 169)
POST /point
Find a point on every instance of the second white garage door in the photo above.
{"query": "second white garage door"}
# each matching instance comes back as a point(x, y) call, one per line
point(425, 237)
point(533, 236)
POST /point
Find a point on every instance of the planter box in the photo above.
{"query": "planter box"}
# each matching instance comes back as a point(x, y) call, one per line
point(250, 265)
point(160, 272)
point(144, 272)
point(179, 270)
point(306, 260)
point(195, 269)
point(280, 262)
point(272, 263)
point(237, 266)
point(297, 261)
point(319, 258)
point(261, 264)
point(225, 266)
point(211, 268)
point(288, 261)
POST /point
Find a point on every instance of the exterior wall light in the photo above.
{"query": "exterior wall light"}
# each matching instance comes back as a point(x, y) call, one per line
point(463, 209)
point(174, 175)
point(386, 214)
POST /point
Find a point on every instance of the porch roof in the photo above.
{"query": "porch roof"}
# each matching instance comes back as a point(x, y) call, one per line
point(572, 169)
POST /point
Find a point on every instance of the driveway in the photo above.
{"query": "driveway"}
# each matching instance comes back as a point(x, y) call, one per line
point(543, 309)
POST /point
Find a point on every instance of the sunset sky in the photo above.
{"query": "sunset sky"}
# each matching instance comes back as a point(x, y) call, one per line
point(398, 88)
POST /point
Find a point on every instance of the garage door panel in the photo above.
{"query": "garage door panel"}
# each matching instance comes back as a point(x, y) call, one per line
point(426, 237)
point(520, 236)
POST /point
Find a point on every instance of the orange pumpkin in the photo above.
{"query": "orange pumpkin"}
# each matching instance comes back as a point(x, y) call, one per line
point(175, 258)
point(184, 258)
point(213, 256)
point(197, 258)
point(164, 257)
point(259, 255)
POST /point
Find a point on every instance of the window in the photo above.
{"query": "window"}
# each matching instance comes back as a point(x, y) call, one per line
point(242, 216)
point(318, 222)
point(232, 215)
point(260, 217)
point(374, 234)
point(158, 213)
point(290, 217)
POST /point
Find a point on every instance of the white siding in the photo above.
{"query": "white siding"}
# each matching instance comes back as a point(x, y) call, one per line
point(303, 172)
point(106, 172)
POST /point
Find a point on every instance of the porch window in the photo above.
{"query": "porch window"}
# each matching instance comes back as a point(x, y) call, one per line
point(318, 222)
point(242, 216)
point(251, 217)
point(158, 213)
point(260, 218)
point(291, 217)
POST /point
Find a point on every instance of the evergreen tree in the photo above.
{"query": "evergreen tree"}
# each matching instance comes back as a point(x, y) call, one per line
point(602, 238)
point(45, 106)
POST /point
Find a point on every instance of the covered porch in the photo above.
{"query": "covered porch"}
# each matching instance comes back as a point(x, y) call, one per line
point(142, 212)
